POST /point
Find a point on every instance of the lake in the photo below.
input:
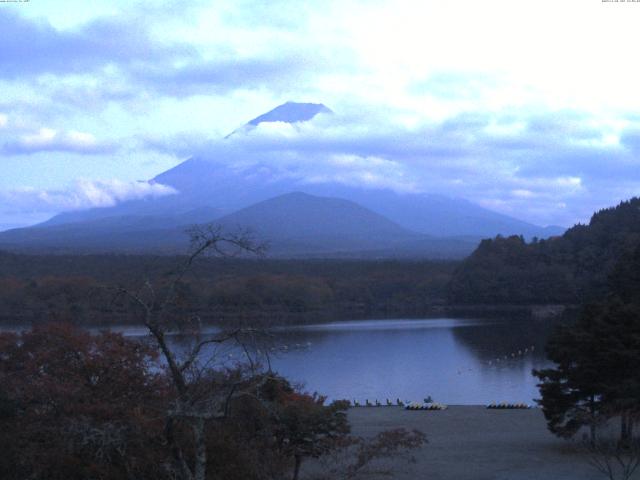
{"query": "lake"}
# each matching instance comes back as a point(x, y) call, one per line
point(455, 361)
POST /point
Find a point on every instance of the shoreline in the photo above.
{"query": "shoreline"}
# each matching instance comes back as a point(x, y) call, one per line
point(533, 312)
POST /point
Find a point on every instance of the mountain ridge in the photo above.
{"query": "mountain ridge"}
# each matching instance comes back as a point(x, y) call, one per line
point(208, 190)
point(295, 225)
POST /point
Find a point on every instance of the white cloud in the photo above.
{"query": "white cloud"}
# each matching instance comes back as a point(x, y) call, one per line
point(83, 194)
point(81, 139)
point(522, 193)
point(43, 138)
point(51, 140)
point(3, 120)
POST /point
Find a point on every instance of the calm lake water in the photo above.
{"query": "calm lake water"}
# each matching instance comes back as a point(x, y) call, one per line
point(454, 361)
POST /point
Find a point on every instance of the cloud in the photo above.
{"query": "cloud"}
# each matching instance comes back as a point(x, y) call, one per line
point(456, 85)
point(558, 167)
point(35, 47)
point(82, 194)
point(631, 140)
point(51, 140)
point(224, 75)
point(130, 47)
point(419, 107)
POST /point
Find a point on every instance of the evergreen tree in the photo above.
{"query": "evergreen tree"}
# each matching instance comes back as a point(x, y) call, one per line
point(596, 374)
point(571, 392)
point(569, 269)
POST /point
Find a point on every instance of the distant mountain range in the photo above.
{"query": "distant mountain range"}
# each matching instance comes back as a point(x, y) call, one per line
point(297, 219)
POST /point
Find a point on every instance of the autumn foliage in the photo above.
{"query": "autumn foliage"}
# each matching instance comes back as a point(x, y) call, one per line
point(77, 405)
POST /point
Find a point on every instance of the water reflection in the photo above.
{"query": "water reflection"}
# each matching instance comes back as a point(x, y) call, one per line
point(454, 361)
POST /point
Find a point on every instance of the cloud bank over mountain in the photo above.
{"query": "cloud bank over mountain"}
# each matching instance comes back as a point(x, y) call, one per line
point(510, 163)
point(82, 194)
point(514, 120)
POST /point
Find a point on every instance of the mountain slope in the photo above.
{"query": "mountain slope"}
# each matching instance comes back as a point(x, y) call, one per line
point(291, 112)
point(302, 224)
point(301, 215)
point(436, 215)
point(133, 234)
point(294, 225)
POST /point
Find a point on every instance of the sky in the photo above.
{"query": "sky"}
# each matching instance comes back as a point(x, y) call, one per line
point(529, 108)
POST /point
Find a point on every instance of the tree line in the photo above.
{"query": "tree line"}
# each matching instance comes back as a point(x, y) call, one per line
point(570, 269)
point(221, 290)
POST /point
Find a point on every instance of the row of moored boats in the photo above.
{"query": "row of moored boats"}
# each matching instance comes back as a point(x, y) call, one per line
point(430, 405)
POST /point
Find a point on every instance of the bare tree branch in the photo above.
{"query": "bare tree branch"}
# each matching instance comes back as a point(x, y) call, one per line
point(199, 399)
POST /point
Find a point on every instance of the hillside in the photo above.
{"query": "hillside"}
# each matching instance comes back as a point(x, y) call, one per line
point(565, 269)
point(300, 224)
point(327, 222)
point(293, 225)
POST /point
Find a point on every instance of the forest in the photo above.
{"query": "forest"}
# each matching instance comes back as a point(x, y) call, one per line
point(569, 269)
point(78, 289)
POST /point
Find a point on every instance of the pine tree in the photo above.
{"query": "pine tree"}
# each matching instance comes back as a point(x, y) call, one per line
point(596, 375)
point(571, 393)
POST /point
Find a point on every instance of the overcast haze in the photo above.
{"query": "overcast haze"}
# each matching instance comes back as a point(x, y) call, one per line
point(529, 108)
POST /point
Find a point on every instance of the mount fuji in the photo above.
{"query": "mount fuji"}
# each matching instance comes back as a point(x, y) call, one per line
point(297, 218)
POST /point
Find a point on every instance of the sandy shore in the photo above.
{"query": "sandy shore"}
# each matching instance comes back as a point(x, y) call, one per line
point(471, 442)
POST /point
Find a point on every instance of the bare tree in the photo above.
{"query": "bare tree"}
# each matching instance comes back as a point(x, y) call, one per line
point(204, 390)
point(201, 395)
point(611, 459)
